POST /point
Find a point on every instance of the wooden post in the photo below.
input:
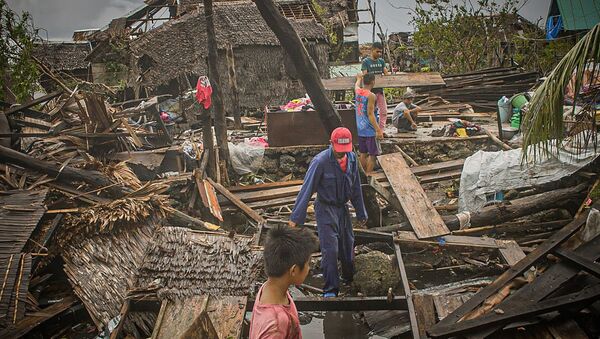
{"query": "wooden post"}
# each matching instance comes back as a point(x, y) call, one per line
point(218, 107)
point(207, 141)
point(237, 119)
point(307, 70)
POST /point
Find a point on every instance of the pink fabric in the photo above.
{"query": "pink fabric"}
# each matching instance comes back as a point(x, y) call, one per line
point(204, 92)
point(382, 106)
point(343, 163)
point(274, 321)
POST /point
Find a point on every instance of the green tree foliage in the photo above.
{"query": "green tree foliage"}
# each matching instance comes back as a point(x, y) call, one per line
point(17, 67)
point(457, 36)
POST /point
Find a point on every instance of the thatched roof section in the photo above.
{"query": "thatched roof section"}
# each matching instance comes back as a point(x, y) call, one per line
point(101, 268)
point(179, 46)
point(184, 263)
point(63, 56)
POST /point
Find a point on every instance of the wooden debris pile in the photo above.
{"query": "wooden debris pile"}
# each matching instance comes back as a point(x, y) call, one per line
point(483, 88)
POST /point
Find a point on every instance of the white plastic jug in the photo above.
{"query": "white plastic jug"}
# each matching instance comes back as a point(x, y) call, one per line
point(504, 108)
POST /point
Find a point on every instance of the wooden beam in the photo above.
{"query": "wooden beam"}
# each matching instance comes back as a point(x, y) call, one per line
point(582, 262)
point(237, 119)
point(34, 319)
point(217, 97)
point(414, 326)
point(388, 81)
point(345, 304)
point(577, 300)
point(539, 252)
point(238, 202)
point(417, 207)
point(33, 102)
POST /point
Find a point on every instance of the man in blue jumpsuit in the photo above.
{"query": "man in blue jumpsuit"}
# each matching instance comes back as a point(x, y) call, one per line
point(333, 174)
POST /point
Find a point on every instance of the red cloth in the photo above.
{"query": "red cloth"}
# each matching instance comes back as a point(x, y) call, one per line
point(274, 321)
point(343, 163)
point(204, 92)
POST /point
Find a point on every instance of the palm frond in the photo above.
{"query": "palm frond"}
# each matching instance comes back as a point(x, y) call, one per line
point(544, 127)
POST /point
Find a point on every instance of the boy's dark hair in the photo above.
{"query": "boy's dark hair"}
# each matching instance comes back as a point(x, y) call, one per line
point(368, 78)
point(377, 45)
point(287, 246)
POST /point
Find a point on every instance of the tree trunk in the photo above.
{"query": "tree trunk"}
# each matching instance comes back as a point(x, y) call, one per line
point(517, 208)
point(218, 107)
point(305, 66)
point(237, 119)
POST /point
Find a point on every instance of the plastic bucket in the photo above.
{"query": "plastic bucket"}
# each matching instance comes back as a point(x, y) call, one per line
point(519, 100)
point(504, 108)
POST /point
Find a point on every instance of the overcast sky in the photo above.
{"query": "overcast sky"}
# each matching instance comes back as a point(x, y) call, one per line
point(61, 17)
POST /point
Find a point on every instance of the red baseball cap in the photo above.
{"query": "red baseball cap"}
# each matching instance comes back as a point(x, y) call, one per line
point(341, 139)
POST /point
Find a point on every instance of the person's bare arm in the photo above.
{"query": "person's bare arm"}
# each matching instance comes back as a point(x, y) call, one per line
point(386, 71)
point(371, 114)
point(358, 82)
point(408, 116)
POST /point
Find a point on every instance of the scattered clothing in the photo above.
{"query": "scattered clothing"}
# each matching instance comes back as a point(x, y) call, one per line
point(297, 105)
point(204, 92)
point(363, 124)
point(457, 128)
point(368, 145)
point(274, 321)
point(334, 188)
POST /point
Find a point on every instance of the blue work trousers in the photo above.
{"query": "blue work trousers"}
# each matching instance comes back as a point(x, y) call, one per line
point(337, 241)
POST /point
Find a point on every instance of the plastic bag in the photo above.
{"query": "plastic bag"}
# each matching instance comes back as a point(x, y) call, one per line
point(246, 157)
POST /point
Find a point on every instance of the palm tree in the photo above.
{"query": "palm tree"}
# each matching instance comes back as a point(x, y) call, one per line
point(544, 127)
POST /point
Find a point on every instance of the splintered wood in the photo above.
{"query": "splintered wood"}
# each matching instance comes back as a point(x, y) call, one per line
point(423, 217)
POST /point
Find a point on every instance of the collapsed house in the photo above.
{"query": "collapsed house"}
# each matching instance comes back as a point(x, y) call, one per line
point(64, 57)
point(174, 55)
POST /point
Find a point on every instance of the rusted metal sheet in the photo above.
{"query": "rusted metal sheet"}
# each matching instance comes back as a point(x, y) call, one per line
point(388, 81)
point(20, 212)
point(303, 128)
point(14, 276)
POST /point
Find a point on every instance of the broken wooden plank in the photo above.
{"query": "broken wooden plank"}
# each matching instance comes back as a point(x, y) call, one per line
point(417, 207)
point(559, 237)
point(448, 240)
point(446, 303)
point(574, 300)
point(34, 319)
point(567, 329)
point(425, 312)
point(32, 102)
point(580, 261)
point(510, 251)
point(237, 201)
point(388, 81)
point(262, 187)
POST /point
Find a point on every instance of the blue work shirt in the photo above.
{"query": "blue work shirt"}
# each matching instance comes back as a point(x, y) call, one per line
point(334, 187)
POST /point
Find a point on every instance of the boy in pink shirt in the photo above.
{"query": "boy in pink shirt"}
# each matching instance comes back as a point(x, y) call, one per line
point(286, 255)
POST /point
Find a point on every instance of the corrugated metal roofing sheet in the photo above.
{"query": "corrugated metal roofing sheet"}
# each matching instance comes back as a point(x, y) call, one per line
point(579, 15)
